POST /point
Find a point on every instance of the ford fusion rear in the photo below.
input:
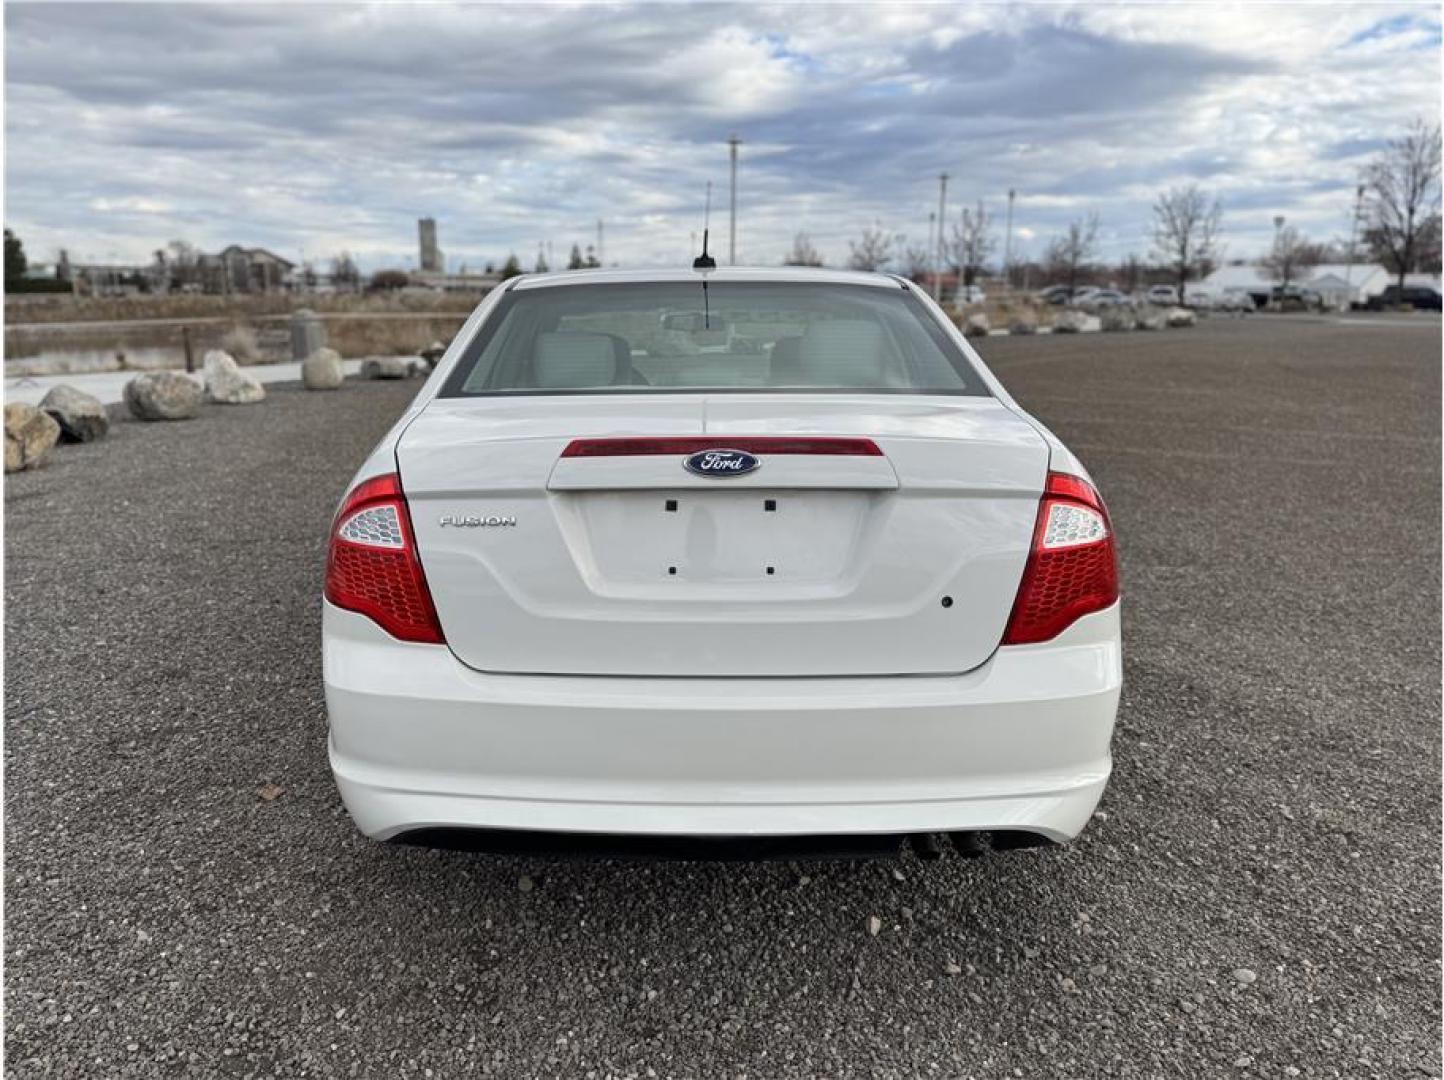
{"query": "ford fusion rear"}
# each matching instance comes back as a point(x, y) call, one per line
point(720, 554)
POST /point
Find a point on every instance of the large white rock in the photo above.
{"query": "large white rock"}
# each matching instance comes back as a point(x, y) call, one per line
point(1152, 318)
point(29, 435)
point(1076, 322)
point(1023, 323)
point(385, 367)
point(82, 418)
point(433, 352)
point(227, 384)
point(1180, 316)
point(1118, 317)
point(163, 395)
point(977, 325)
point(322, 370)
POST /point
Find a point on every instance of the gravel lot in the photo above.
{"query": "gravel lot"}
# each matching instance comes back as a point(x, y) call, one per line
point(1275, 806)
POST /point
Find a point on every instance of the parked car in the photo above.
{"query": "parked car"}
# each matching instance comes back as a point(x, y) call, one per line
point(970, 294)
point(1162, 294)
point(1105, 298)
point(594, 581)
point(1055, 294)
point(1236, 299)
point(1296, 298)
point(1419, 297)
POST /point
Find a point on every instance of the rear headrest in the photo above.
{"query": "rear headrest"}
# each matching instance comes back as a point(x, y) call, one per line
point(787, 361)
point(843, 352)
point(566, 359)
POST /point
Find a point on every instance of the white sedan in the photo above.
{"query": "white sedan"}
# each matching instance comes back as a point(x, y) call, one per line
point(747, 554)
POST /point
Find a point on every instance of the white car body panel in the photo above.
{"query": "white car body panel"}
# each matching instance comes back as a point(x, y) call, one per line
point(419, 740)
point(598, 578)
point(582, 690)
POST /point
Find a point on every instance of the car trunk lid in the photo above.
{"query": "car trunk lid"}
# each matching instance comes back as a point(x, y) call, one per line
point(565, 535)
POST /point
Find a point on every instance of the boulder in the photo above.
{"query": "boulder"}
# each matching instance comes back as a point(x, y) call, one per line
point(227, 384)
point(433, 352)
point(385, 367)
point(163, 395)
point(1117, 318)
point(29, 435)
point(1022, 325)
point(322, 370)
point(1076, 322)
point(81, 417)
point(977, 325)
point(1151, 319)
point(1180, 316)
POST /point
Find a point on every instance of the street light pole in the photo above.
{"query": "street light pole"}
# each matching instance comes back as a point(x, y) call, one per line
point(1008, 242)
point(1353, 239)
point(733, 142)
point(942, 221)
point(932, 221)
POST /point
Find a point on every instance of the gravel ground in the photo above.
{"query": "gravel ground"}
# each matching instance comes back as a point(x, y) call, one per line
point(1260, 895)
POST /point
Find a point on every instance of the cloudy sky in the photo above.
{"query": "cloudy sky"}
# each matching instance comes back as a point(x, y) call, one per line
point(315, 128)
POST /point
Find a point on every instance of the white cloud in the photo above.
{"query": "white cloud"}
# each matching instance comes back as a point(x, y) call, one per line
point(315, 129)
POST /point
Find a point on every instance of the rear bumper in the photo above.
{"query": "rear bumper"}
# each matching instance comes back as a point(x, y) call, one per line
point(419, 740)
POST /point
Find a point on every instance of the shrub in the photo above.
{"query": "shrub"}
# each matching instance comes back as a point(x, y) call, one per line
point(240, 342)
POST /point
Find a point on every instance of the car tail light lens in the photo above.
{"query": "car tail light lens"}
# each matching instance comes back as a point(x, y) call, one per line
point(1072, 568)
point(372, 567)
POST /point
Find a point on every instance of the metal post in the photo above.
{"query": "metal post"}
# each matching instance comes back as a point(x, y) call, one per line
point(942, 222)
point(932, 221)
point(1353, 239)
point(601, 259)
point(733, 142)
point(190, 356)
point(1008, 242)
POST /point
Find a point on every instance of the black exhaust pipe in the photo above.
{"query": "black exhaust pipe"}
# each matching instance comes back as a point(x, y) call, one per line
point(969, 845)
point(926, 846)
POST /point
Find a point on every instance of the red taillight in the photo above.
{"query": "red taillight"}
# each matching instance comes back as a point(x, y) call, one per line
point(1072, 569)
point(371, 563)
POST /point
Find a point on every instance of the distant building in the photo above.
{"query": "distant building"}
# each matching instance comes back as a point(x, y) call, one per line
point(238, 269)
point(462, 282)
point(431, 258)
point(1339, 285)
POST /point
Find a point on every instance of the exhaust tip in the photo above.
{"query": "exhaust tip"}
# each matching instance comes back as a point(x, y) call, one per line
point(969, 845)
point(926, 847)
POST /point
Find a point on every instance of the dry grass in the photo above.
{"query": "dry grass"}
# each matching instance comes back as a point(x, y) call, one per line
point(61, 308)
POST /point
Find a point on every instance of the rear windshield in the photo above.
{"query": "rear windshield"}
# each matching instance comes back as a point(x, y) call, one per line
point(731, 336)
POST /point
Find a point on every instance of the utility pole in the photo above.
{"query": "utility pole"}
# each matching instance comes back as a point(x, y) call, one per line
point(733, 142)
point(1008, 242)
point(942, 222)
point(932, 221)
point(1353, 239)
point(601, 258)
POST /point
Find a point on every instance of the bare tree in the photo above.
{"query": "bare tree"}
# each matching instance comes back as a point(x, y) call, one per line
point(1292, 254)
point(1071, 252)
point(1130, 273)
point(1403, 183)
point(972, 242)
point(917, 262)
point(344, 272)
point(873, 251)
point(802, 253)
point(1185, 233)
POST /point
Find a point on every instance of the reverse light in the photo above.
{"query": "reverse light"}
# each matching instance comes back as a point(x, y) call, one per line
point(371, 563)
point(1072, 567)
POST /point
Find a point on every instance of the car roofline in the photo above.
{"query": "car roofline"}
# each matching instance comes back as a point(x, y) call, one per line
point(741, 274)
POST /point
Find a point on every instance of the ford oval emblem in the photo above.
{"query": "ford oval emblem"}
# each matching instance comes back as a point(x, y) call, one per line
point(721, 462)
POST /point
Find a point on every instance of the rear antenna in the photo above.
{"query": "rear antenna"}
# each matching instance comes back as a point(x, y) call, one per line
point(705, 261)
